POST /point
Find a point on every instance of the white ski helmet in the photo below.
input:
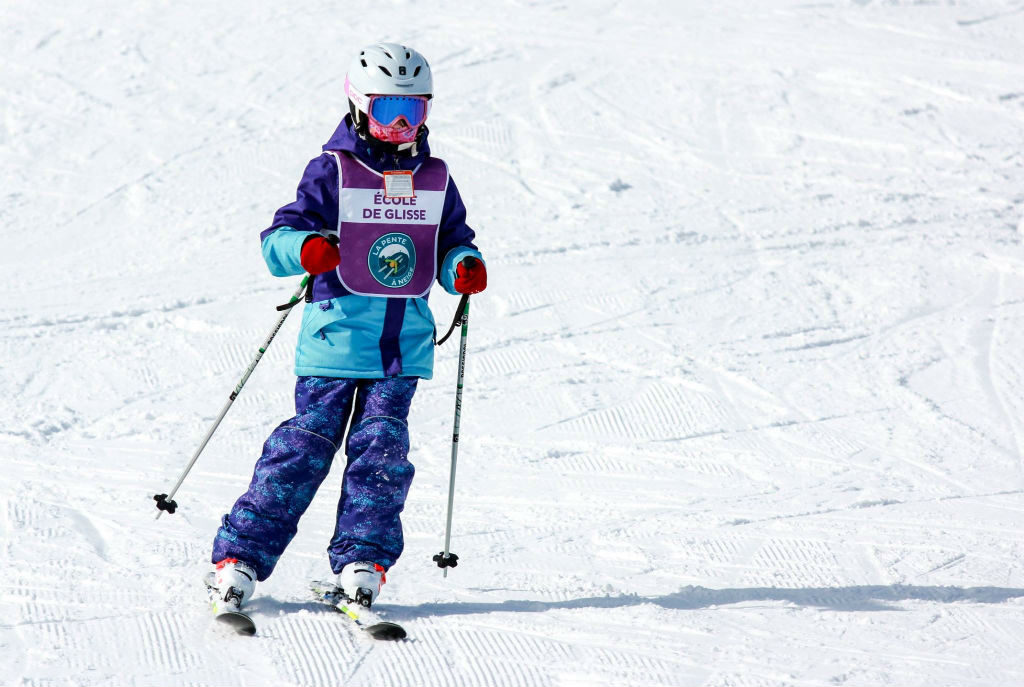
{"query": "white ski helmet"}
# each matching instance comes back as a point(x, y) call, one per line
point(389, 69)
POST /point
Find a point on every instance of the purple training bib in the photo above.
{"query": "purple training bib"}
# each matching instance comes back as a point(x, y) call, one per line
point(388, 246)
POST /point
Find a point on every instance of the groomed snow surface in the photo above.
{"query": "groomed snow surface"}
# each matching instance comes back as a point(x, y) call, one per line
point(744, 401)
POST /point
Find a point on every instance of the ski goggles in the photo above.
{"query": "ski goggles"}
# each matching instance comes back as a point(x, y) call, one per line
point(386, 110)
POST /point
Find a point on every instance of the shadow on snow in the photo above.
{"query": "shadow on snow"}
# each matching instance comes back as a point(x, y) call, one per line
point(856, 598)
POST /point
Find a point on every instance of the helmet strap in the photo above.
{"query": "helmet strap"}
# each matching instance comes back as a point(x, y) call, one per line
point(359, 121)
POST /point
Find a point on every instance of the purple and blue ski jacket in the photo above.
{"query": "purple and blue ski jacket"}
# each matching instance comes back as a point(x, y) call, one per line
point(345, 334)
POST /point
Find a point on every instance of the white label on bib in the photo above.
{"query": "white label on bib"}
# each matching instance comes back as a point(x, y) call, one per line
point(398, 184)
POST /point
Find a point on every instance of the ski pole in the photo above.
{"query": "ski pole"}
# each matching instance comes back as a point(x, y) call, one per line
point(446, 559)
point(165, 502)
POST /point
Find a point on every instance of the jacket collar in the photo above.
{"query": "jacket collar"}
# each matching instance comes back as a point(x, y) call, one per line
point(345, 138)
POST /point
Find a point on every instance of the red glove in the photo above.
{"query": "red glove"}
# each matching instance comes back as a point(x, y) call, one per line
point(471, 276)
point(319, 255)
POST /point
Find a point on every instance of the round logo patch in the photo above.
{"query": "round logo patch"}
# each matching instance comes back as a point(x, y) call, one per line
point(392, 260)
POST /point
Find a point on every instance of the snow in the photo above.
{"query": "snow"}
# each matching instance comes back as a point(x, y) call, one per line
point(744, 398)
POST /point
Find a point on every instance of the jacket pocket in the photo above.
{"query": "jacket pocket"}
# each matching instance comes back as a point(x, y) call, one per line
point(321, 318)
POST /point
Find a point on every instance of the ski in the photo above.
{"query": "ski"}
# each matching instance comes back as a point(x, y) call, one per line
point(366, 620)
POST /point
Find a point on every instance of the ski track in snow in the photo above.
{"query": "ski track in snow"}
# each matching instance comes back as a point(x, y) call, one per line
point(744, 398)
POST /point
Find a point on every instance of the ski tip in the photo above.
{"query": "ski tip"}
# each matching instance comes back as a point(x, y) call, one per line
point(389, 632)
point(239, 622)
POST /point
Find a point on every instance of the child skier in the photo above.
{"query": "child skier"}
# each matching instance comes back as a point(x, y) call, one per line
point(394, 222)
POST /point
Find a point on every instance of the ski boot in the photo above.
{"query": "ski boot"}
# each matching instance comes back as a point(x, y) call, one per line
point(361, 582)
point(230, 584)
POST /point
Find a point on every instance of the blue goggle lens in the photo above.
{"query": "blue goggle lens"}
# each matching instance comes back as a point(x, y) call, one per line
point(387, 108)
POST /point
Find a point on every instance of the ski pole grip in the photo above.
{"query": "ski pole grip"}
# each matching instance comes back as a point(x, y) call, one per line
point(460, 316)
point(307, 285)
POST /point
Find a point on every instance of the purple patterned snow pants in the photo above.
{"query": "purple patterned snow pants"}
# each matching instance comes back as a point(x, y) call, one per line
point(297, 457)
